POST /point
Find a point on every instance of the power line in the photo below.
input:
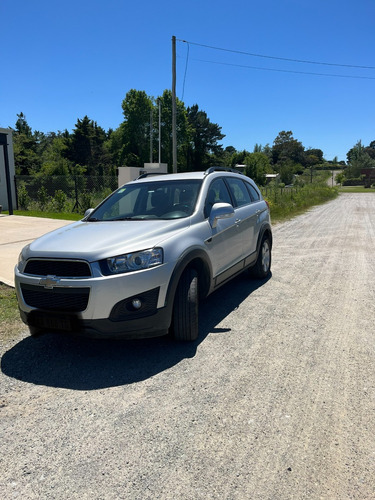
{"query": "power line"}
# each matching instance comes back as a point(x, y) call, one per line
point(287, 71)
point(186, 67)
point(277, 58)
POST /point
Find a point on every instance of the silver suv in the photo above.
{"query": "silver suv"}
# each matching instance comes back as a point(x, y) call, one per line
point(136, 264)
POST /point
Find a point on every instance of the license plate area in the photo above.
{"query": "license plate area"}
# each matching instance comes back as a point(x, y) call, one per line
point(48, 321)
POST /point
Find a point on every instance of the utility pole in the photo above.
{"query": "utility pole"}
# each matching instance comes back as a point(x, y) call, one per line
point(174, 112)
point(151, 136)
point(159, 131)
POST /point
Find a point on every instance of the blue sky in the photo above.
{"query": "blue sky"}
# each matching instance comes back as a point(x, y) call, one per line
point(64, 60)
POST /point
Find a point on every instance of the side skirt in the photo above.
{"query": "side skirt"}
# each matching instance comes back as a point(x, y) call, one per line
point(238, 268)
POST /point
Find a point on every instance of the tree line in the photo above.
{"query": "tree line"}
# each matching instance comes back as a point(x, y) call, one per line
point(90, 150)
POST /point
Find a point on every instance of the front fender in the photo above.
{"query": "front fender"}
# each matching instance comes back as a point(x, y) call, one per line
point(198, 259)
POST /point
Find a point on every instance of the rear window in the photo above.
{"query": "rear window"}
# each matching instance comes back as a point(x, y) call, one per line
point(239, 192)
point(253, 192)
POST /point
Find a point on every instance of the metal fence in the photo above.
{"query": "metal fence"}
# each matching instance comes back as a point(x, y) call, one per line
point(62, 193)
point(276, 192)
point(69, 193)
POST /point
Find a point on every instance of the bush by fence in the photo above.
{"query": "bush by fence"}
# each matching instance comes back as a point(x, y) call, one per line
point(359, 181)
point(286, 201)
point(62, 193)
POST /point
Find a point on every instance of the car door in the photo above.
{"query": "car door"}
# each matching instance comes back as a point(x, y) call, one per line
point(225, 241)
point(246, 214)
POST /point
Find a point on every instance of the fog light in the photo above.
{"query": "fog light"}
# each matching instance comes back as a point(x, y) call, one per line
point(136, 303)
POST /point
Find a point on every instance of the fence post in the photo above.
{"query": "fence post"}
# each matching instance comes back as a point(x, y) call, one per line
point(76, 204)
point(16, 191)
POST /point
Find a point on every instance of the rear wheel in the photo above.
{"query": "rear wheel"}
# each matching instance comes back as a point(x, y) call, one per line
point(185, 307)
point(262, 266)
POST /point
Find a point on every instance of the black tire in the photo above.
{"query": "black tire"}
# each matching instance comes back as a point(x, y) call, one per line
point(185, 307)
point(262, 266)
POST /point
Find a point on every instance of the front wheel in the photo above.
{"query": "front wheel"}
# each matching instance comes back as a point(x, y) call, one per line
point(185, 307)
point(262, 266)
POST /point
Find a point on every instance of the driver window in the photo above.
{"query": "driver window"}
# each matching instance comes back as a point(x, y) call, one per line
point(217, 193)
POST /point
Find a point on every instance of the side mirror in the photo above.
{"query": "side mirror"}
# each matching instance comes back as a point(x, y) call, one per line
point(88, 212)
point(220, 211)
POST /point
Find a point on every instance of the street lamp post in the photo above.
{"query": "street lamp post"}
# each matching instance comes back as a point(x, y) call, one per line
point(174, 139)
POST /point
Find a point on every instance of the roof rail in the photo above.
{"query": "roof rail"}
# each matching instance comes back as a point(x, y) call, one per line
point(147, 174)
point(211, 170)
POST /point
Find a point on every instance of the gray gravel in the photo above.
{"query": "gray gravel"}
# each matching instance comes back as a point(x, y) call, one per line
point(276, 400)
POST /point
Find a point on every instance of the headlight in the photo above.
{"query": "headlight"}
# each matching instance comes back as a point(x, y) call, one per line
point(22, 259)
point(135, 261)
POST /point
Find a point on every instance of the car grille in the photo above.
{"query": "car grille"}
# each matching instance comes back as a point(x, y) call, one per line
point(56, 299)
point(62, 268)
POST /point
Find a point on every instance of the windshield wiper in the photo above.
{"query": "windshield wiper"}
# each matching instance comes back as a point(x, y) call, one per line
point(122, 218)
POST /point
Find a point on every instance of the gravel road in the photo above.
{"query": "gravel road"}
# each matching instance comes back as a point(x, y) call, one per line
point(276, 400)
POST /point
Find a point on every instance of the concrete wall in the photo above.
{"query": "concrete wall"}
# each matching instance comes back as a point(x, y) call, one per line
point(3, 183)
point(127, 174)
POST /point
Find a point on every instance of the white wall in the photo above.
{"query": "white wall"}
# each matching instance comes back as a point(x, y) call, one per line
point(3, 181)
point(127, 174)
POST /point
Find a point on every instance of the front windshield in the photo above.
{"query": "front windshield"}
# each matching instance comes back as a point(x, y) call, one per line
point(150, 200)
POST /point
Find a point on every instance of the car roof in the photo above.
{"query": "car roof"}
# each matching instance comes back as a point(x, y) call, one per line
point(168, 177)
point(187, 175)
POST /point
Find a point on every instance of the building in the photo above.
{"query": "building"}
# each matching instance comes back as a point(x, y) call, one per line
point(7, 186)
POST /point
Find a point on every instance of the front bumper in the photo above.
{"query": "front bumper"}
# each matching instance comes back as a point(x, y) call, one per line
point(151, 326)
point(99, 306)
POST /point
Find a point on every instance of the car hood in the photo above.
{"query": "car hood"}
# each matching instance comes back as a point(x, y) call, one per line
point(93, 241)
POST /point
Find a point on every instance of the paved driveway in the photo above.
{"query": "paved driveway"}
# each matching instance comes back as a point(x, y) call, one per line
point(16, 232)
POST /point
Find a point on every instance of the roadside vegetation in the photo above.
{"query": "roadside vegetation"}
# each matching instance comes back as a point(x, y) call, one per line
point(48, 215)
point(356, 189)
point(294, 202)
point(306, 192)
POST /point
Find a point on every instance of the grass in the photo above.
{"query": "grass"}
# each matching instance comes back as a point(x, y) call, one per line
point(10, 322)
point(49, 215)
point(289, 204)
point(355, 189)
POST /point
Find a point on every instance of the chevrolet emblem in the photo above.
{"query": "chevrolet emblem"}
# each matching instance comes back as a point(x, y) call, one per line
point(49, 282)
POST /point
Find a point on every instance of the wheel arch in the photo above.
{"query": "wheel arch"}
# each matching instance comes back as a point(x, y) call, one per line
point(198, 260)
point(264, 231)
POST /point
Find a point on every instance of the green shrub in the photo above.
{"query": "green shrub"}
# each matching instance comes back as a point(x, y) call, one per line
point(86, 201)
point(42, 197)
point(60, 200)
point(23, 197)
